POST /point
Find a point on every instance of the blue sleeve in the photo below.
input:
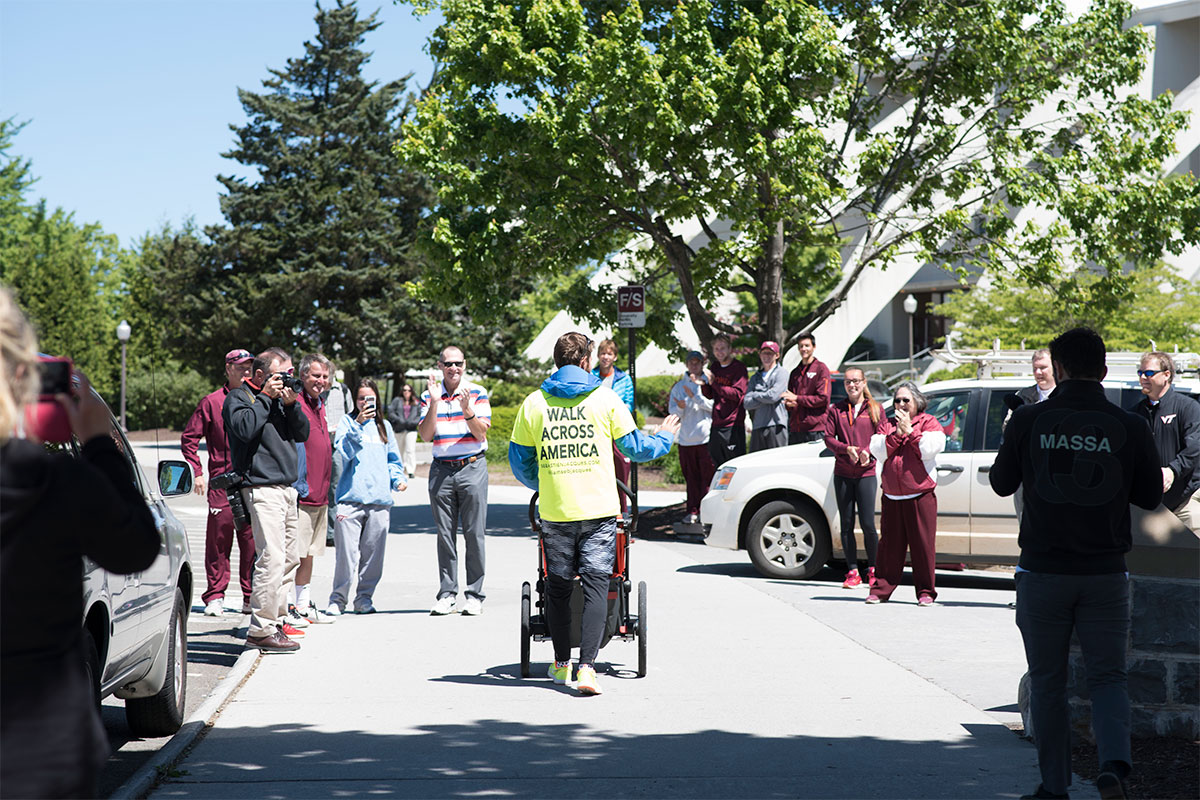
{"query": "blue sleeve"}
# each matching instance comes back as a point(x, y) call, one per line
point(523, 461)
point(396, 473)
point(624, 390)
point(301, 484)
point(639, 447)
point(349, 437)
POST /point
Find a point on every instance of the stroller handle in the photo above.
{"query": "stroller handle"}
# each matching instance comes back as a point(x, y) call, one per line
point(536, 527)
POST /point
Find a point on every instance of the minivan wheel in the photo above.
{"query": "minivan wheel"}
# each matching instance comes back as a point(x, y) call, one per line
point(787, 541)
point(162, 714)
point(91, 662)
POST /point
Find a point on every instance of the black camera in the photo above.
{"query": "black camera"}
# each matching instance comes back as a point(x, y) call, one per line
point(232, 483)
point(290, 382)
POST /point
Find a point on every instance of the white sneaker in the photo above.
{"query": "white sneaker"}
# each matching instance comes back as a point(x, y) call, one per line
point(333, 610)
point(473, 607)
point(444, 605)
point(314, 615)
point(215, 608)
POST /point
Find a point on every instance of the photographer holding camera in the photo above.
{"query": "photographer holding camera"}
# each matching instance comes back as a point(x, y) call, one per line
point(263, 423)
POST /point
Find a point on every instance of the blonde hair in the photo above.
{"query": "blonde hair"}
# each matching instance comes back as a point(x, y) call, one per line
point(18, 362)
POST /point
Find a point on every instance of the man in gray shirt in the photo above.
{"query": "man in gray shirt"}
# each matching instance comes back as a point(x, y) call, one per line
point(764, 401)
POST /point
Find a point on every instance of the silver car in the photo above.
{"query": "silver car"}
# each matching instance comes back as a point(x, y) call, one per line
point(135, 626)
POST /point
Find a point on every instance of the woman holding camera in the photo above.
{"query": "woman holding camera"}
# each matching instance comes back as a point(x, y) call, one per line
point(371, 471)
point(908, 448)
point(55, 509)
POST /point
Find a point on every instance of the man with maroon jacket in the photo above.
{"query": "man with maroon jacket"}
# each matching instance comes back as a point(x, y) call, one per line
point(807, 397)
point(206, 423)
point(315, 457)
point(726, 387)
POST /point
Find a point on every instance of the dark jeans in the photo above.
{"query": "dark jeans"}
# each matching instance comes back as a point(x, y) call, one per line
point(726, 443)
point(800, 437)
point(587, 548)
point(860, 492)
point(1096, 607)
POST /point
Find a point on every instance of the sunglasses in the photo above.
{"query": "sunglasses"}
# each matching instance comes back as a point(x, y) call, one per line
point(1149, 373)
point(903, 400)
point(453, 363)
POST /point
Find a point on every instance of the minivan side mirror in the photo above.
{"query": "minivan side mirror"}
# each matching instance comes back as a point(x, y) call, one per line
point(174, 478)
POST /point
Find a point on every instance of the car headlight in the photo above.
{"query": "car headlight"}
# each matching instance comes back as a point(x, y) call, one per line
point(722, 479)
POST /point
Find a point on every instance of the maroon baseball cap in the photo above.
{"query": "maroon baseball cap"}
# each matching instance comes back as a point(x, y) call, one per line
point(770, 346)
point(238, 356)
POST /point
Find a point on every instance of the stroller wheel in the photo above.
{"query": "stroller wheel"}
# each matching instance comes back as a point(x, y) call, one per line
point(526, 633)
point(641, 629)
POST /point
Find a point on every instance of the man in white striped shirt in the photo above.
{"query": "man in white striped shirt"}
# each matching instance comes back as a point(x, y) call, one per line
point(458, 477)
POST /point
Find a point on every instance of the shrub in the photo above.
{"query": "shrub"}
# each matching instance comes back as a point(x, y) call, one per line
point(509, 393)
point(652, 393)
point(164, 398)
point(672, 471)
point(960, 371)
point(503, 418)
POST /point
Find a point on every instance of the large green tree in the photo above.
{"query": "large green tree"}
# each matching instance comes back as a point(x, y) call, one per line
point(560, 132)
point(62, 271)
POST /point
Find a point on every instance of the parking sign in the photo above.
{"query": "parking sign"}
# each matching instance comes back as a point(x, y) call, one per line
point(631, 306)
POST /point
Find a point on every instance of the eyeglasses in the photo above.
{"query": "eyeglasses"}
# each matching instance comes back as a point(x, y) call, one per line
point(903, 400)
point(453, 363)
point(854, 380)
point(1149, 373)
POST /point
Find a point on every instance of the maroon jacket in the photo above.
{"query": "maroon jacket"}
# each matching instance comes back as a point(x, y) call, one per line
point(206, 423)
point(726, 390)
point(842, 429)
point(812, 387)
point(904, 472)
point(318, 452)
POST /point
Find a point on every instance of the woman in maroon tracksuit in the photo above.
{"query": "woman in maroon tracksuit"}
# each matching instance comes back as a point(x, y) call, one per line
point(849, 426)
point(907, 448)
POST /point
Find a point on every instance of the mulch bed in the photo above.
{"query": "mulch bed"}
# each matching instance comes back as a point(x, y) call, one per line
point(1163, 769)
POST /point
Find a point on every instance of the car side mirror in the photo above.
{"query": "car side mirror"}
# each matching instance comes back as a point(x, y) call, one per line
point(174, 478)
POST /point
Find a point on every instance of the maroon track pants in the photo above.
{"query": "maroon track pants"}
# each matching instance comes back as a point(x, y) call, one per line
point(907, 525)
point(218, 545)
point(621, 464)
point(698, 471)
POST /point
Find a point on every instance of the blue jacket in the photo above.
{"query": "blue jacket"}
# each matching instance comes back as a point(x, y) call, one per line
point(372, 469)
point(571, 381)
point(622, 384)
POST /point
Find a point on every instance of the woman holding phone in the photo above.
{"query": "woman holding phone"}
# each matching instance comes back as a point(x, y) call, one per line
point(908, 449)
point(849, 426)
point(372, 470)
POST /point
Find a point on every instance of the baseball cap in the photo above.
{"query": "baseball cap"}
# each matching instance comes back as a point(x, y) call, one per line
point(238, 356)
point(695, 354)
point(770, 346)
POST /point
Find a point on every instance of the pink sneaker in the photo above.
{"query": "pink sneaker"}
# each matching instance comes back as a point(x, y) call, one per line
point(852, 579)
point(871, 577)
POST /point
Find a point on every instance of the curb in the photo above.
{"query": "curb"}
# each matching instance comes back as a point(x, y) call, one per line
point(142, 781)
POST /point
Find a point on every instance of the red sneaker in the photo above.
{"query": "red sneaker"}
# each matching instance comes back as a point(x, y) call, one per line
point(852, 579)
point(871, 577)
point(291, 631)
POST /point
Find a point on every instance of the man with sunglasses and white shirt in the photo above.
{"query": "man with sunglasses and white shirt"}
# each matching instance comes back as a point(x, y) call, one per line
point(1175, 422)
point(455, 417)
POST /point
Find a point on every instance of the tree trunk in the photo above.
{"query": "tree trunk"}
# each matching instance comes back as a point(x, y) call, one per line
point(770, 286)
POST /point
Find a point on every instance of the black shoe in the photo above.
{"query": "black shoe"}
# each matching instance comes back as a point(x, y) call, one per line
point(1042, 794)
point(1110, 786)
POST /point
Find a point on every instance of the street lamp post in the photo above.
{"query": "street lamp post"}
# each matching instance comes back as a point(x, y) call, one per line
point(123, 333)
point(910, 307)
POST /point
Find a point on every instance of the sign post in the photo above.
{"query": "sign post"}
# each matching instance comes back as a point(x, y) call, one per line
point(631, 314)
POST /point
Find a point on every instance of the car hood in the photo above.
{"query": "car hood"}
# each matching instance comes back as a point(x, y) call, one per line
point(779, 456)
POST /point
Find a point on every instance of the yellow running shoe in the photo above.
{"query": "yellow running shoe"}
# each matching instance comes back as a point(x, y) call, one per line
point(560, 672)
point(587, 681)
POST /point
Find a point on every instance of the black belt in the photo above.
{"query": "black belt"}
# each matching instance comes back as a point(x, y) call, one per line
point(460, 462)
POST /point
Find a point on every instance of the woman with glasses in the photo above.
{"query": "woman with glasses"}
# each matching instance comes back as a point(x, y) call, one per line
point(849, 426)
point(404, 412)
point(907, 447)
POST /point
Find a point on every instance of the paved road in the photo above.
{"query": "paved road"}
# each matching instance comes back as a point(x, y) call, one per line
point(757, 688)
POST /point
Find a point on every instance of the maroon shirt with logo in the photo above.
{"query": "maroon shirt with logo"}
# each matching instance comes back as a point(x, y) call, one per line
point(812, 387)
point(727, 389)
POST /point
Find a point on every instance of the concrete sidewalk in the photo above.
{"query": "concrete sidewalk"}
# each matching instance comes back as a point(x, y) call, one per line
point(746, 696)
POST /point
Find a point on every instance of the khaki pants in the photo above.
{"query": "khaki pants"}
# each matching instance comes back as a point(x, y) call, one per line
point(1189, 512)
point(276, 526)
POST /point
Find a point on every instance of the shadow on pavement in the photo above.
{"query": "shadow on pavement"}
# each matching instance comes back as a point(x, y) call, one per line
point(502, 520)
point(512, 759)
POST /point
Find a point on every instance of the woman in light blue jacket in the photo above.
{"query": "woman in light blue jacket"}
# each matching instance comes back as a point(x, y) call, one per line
point(371, 471)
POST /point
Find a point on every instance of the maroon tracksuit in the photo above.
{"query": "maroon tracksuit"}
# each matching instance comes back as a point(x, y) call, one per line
point(812, 386)
point(206, 423)
point(908, 524)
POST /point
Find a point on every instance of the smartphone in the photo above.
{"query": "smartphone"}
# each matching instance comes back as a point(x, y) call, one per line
point(369, 403)
point(46, 419)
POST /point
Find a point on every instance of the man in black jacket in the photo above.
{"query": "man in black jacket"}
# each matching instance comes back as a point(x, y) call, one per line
point(263, 423)
point(1175, 422)
point(1081, 461)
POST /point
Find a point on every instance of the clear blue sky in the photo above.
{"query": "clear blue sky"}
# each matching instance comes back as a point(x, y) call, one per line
point(129, 102)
